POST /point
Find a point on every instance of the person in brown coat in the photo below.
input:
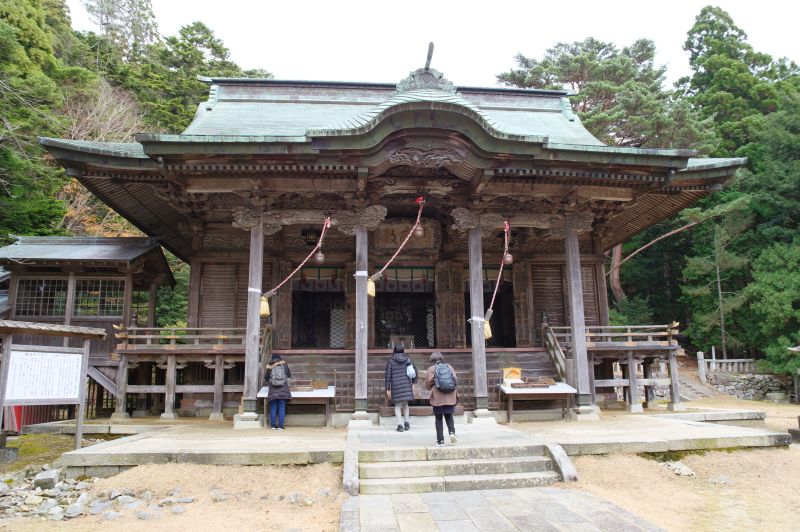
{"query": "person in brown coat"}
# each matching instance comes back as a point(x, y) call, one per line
point(444, 395)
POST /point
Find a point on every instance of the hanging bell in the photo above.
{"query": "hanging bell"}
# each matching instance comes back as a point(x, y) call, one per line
point(263, 308)
point(508, 259)
point(319, 257)
point(419, 232)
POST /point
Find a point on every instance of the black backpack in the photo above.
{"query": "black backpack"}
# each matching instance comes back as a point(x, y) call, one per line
point(443, 378)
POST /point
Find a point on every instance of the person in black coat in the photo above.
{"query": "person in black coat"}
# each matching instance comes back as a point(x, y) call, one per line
point(278, 393)
point(399, 386)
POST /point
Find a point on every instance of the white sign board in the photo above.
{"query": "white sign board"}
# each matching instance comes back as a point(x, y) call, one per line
point(43, 378)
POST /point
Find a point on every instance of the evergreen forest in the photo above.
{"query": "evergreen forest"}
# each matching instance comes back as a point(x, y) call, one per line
point(728, 269)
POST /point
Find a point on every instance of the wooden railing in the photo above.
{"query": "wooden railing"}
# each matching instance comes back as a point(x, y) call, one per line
point(180, 338)
point(613, 337)
point(553, 347)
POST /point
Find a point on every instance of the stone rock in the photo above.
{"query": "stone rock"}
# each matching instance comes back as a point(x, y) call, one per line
point(144, 516)
point(84, 499)
point(83, 485)
point(309, 501)
point(99, 506)
point(33, 500)
point(45, 467)
point(175, 491)
point(114, 494)
point(177, 510)
point(73, 510)
point(62, 486)
point(47, 505)
point(324, 493)
point(169, 501)
point(4, 488)
point(134, 504)
point(679, 468)
point(293, 498)
point(185, 500)
point(46, 479)
point(55, 510)
point(147, 495)
point(111, 516)
point(124, 499)
point(217, 496)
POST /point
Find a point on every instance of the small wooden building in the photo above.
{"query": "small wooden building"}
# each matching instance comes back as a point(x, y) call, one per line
point(242, 193)
point(87, 282)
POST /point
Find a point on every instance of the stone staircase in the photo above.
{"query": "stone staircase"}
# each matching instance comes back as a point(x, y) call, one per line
point(455, 468)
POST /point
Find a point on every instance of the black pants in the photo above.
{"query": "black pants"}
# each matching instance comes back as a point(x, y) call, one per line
point(451, 427)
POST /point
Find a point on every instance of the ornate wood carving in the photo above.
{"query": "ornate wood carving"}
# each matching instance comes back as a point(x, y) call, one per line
point(425, 78)
point(369, 217)
point(421, 158)
point(390, 234)
point(224, 240)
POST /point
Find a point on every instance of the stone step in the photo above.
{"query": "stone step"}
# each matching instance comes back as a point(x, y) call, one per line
point(385, 486)
point(444, 468)
point(456, 452)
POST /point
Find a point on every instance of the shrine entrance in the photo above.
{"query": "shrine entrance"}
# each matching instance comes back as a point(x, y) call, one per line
point(318, 308)
point(405, 308)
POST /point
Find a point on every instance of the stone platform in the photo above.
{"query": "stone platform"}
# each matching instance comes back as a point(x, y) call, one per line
point(218, 443)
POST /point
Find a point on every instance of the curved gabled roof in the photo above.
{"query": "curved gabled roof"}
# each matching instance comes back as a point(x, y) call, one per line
point(247, 107)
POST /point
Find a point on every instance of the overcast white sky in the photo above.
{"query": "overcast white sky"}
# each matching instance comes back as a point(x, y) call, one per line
point(474, 40)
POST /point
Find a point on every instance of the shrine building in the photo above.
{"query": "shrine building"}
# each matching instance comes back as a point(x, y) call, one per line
point(242, 194)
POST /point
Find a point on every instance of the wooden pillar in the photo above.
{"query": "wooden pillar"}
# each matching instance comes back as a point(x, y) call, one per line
point(127, 301)
point(649, 390)
point(362, 324)
point(69, 308)
point(169, 396)
point(122, 389)
point(634, 406)
point(219, 384)
point(674, 384)
point(4, 374)
point(251, 377)
point(152, 296)
point(476, 314)
point(81, 413)
point(12, 295)
point(195, 276)
point(583, 399)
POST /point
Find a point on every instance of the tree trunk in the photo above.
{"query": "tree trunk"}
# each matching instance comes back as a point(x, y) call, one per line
point(721, 314)
point(616, 286)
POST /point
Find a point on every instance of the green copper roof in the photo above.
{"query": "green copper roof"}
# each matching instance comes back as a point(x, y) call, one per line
point(259, 108)
point(115, 149)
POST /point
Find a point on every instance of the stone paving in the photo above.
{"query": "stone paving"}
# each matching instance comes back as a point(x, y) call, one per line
point(540, 509)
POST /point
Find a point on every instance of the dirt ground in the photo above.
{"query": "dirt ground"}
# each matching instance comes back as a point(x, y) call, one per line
point(252, 499)
point(741, 490)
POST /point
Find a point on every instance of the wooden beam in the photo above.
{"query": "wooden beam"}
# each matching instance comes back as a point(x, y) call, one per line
point(195, 272)
point(169, 395)
point(219, 384)
point(255, 273)
point(151, 305)
point(4, 373)
point(69, 308)
point(362, 325)
point(120, 411)
point(674, 384)
point(127, 301)
point(81, 414)
point(634, 406)
point(577, 320)
point(476, 313)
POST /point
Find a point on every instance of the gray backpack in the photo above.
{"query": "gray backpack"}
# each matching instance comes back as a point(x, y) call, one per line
point(443, 378)
point(278, 376)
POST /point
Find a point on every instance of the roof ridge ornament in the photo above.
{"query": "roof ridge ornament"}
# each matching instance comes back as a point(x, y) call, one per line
point(426, 78)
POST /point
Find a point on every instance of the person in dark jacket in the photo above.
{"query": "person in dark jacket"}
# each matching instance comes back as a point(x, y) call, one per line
point(399, 386)
point(443, 403)
point(278, 393)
